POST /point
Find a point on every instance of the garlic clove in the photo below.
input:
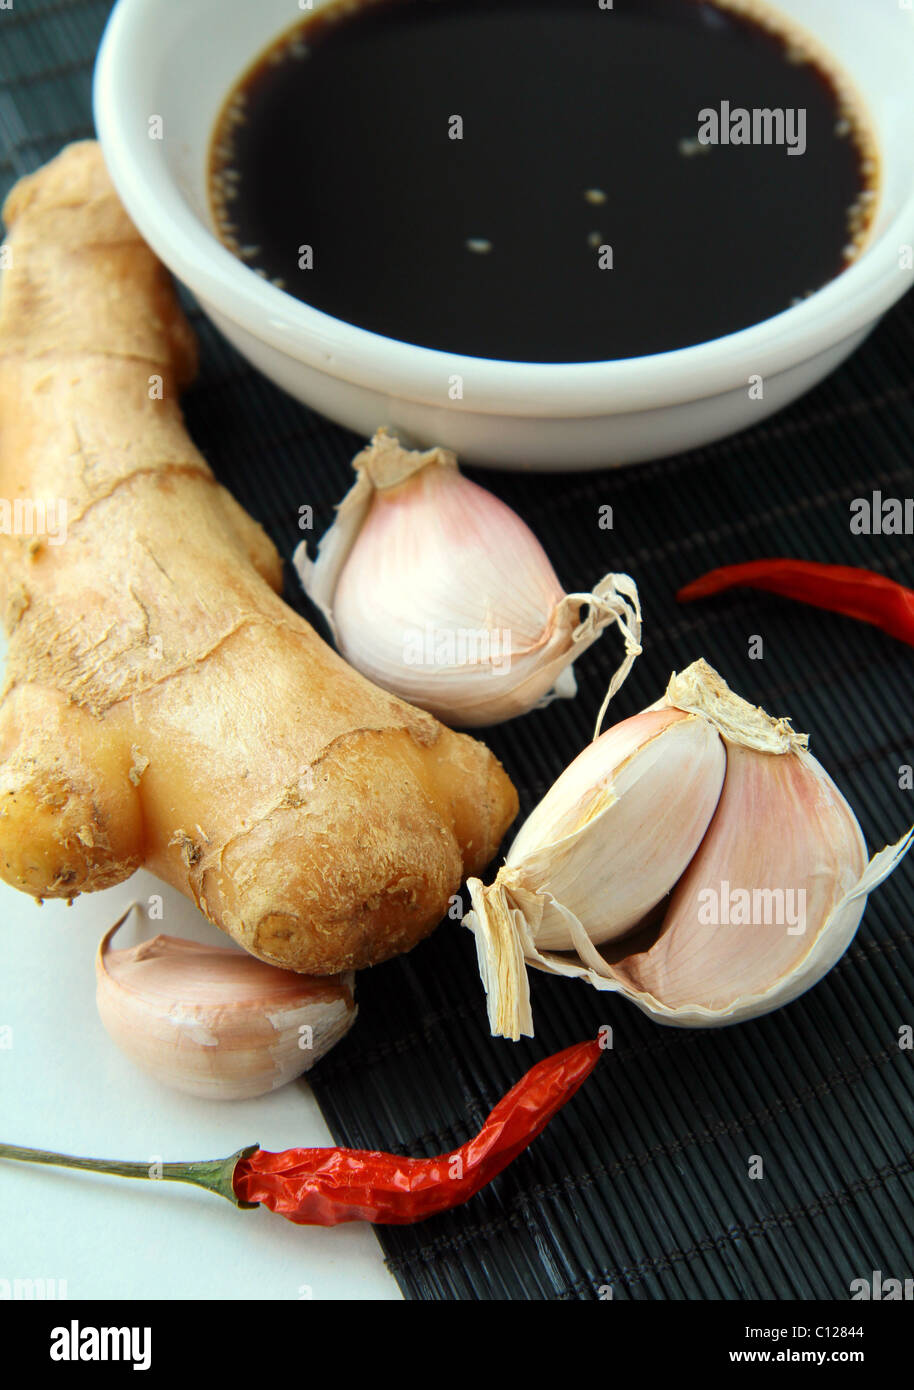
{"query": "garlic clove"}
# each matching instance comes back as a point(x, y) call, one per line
point(585, 846)
point(439, 592)
point(213, 1021)
point(783, 850)
point(423, 568)
point(780, 824)
point(605, 845)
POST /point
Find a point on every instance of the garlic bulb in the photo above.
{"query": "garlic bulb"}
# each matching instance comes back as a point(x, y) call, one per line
point(437, 591)
point(214, 1021)
point(695, 858)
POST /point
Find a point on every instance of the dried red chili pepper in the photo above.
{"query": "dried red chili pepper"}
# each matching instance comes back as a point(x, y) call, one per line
point(323, 1187)
point(857, 593)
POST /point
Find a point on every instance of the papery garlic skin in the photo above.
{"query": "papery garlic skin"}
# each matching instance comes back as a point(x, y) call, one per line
point(213, 1021)
point(436, 590)
point(780, 824)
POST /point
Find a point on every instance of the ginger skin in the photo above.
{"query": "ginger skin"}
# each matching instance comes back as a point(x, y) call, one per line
point(162, 706)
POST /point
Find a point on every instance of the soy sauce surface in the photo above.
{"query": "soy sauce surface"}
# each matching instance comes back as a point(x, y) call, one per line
point(579, 132)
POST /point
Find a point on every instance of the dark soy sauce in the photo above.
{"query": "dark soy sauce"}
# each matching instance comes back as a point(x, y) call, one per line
point(579, 132)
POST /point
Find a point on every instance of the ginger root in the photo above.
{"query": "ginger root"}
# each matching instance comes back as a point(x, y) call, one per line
point(162, 706)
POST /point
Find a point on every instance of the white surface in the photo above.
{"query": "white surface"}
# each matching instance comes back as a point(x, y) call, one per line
point(161, 59)
point(64, 1086)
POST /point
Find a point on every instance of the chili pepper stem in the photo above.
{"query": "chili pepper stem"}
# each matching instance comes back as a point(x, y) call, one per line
point(214, 1175)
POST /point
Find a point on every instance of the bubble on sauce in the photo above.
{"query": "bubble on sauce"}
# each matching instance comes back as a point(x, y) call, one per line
point(690, 145)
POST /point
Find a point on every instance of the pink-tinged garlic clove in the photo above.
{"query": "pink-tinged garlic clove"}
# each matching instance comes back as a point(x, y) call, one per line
point(213, 1021)
point(439, 592)
point(782, 852)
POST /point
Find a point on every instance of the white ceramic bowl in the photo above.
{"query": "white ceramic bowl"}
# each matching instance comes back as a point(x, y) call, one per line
point(179, 58)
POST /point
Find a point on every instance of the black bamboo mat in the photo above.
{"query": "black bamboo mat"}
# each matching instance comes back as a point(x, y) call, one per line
point(642, 1185)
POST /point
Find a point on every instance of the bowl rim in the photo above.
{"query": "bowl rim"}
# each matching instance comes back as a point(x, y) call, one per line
point(847, 305)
